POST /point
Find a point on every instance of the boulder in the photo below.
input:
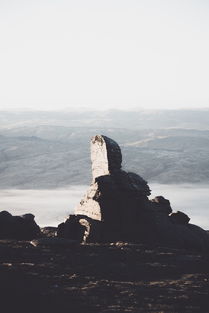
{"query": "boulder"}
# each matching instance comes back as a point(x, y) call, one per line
point(18, 227)
point(6, 221)
point(162, 204)
point(179, 218)
point(79, 228)
point(71, 229)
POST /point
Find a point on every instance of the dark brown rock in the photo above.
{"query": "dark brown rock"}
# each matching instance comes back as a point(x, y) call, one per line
point(179, 218)
point(162, 204)
point(81, 228)
point(71, 229)
point(18, 227)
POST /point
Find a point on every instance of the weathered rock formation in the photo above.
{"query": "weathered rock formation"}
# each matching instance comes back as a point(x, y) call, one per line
point(18, 227)
point(116, 208)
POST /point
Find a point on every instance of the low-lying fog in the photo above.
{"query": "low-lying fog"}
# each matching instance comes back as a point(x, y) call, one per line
point(51, 207)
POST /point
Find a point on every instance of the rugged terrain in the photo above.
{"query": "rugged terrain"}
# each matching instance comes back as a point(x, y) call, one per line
point(119, 277)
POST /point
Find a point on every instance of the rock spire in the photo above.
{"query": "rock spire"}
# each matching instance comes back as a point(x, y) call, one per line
point(117, 208)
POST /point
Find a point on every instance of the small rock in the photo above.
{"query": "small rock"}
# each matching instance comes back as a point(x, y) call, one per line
point(179, 218)
point(18, 227)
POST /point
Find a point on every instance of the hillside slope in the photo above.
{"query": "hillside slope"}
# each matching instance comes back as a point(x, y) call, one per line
point(48, 156)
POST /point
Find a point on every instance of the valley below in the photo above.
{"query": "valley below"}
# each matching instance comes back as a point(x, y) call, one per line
point(52, 206)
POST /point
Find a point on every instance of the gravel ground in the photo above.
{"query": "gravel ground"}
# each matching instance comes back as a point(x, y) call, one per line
point(101, 278)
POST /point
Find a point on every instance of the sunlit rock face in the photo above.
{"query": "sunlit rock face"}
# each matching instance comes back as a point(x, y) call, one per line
point(89, 205)
point(106, 156)
point(117, 208)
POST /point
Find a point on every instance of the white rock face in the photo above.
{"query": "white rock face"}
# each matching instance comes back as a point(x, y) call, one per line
point(105, 156)
point(99, 157)
point(88, 206)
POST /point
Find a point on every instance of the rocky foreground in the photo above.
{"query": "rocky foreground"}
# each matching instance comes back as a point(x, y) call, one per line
point(49, 276)
point(119, 252)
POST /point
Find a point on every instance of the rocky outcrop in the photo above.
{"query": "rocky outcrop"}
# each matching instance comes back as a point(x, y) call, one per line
point(162, 204)
point(117, 208)
point(179, 218)
point(18, 227)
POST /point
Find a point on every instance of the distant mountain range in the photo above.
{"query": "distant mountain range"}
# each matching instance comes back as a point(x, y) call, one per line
point(51, 149)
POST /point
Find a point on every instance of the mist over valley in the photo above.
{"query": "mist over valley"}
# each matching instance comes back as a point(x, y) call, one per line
point(52, 207)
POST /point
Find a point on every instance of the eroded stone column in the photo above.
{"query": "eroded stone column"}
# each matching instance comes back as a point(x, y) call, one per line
point(106, 156)
point(106, 160)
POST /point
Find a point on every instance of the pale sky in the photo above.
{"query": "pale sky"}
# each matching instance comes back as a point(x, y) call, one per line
point(57, 54)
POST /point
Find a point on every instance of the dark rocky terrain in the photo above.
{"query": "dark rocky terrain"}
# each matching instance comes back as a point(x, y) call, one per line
point(101, 278)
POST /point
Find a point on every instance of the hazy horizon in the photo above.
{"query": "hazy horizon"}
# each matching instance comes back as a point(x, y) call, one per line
point(95, 109)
